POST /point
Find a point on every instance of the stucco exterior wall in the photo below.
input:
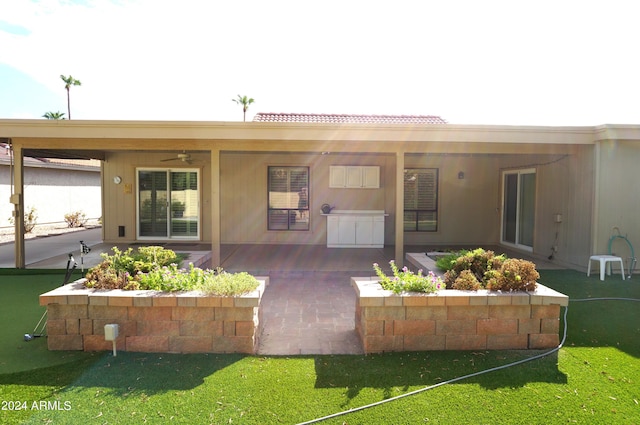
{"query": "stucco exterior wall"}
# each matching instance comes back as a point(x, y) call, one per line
point(618, 197)
point(244, 194)
point(120, 199)
point(53, 193)
point(564, 186)
point(466, 207)
point(469, 208)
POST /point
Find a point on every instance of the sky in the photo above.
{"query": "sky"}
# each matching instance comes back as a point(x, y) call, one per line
point(556, 63)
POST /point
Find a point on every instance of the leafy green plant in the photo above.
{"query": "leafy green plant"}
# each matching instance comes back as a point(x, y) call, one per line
point(117, 271)
point(406, 281)
point(156, 268)
point(446, 262)
point(75, 219)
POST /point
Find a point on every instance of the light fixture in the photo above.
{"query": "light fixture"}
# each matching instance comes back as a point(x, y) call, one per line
point(111, 334)
point(461, 175)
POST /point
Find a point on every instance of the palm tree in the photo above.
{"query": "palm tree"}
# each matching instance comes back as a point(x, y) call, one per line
point(54, 115)
point(68, 82)
point(245, 102)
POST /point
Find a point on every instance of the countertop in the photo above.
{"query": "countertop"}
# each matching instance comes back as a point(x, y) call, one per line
point(357, 212)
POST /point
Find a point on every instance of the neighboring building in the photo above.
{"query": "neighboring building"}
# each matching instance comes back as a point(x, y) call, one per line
point(54, 187)
point(348, 118)
point(542, 190)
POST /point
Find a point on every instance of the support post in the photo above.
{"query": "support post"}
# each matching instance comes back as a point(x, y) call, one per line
point(17, 199)
point(215, 207)
point(399, 254)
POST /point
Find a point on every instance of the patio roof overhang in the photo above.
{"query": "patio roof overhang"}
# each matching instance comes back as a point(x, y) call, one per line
point(91, 139)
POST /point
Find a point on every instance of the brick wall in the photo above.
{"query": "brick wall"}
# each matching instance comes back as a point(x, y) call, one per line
point(456, 320)
point(151, 321)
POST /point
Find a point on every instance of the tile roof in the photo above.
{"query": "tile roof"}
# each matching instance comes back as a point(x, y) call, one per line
point(348, 118)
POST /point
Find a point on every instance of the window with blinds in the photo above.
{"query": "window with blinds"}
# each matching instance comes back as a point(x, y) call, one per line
point(421, 200)
point(288, 196)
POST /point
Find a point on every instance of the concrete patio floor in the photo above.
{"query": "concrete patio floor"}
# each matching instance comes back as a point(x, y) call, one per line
point(309, 305)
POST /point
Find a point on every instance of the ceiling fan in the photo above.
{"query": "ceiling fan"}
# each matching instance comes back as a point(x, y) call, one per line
point(184, 157)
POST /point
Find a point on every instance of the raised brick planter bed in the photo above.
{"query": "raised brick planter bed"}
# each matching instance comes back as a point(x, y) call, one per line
point(151, 321)
point(456, 320)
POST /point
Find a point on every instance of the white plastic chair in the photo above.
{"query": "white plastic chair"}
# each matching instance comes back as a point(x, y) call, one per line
point(606, 264)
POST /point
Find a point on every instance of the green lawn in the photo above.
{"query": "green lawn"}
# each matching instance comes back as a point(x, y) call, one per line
point(594, 378)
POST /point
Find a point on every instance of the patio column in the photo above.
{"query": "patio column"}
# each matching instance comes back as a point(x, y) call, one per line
point(17, 199)
point(595, 217)
point(399, 254)
point(215, 207)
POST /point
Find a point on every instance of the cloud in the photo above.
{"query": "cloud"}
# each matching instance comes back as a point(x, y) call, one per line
point(13, 29)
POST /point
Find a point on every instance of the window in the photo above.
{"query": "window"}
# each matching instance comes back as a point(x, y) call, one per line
point(421, 200)
point(168, 204)
point(288, 198)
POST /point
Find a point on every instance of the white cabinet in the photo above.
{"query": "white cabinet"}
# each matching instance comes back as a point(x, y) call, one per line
point(347, 229)
point(354, 176)
point(355, 230)
point(371, 177)
point(333, 230)
point(337, 176)
point(378, 230)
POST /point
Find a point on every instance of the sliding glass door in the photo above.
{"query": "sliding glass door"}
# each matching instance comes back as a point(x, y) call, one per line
point(168, 204)
point(518, 208)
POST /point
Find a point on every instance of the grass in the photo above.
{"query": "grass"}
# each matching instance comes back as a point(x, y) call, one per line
point(19, 315)
point(594, 378)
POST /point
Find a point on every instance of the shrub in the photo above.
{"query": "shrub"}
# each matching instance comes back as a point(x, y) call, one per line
point(30, 219)
point(479, 262)
point(105, 276)
point(156, 268)
point(75, 219)
point(466, 280)
point(515, 275)
point(480, 269)
point(406, 281)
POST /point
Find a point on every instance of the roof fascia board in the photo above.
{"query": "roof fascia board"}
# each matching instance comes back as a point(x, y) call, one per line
point(199, 130)
point(620, 132)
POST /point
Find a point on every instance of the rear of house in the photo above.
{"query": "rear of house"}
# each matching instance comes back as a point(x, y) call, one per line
point(546, 191)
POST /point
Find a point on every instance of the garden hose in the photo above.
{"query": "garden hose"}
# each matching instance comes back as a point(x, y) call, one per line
point(460, 378)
